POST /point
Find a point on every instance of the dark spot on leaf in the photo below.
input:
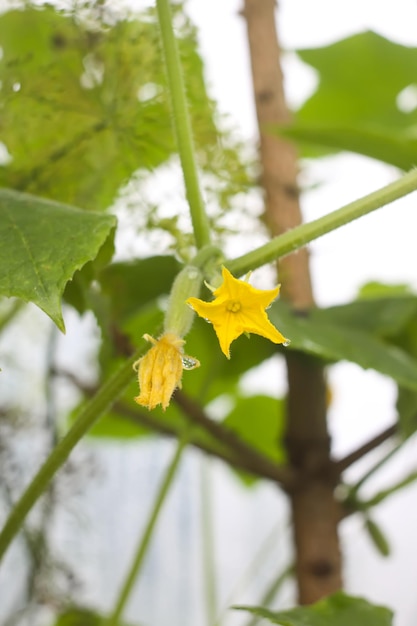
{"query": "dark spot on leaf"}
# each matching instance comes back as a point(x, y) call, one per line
point(58, 41)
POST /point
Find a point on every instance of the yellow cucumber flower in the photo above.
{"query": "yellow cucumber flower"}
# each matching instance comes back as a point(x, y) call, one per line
point(238, 308)
point(160, 370)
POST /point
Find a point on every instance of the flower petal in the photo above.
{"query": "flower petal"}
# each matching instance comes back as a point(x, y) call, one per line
point(238, 308)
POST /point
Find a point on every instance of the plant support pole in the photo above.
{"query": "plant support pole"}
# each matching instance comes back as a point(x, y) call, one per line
point(315, 512)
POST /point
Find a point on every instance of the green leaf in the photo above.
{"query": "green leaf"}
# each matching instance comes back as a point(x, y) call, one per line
point(78, 617)
point(335, 610)
point(353, 108)
point(131, 285)
point(43, 244)
point(382, 316)
point(259, 420)
point(375, 289)
point(128, 304)
point(407, 399)
point(316, 333)
point(395, 148)
point(82, 617)
point(350, 86)
point(377, 537)
point(407, 412)
point(84, 103)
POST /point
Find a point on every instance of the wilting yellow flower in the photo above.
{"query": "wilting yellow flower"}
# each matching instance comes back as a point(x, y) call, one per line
point(238, 308)
point(160, 370)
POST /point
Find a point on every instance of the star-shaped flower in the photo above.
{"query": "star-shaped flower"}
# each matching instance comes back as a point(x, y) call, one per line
point(238, 308)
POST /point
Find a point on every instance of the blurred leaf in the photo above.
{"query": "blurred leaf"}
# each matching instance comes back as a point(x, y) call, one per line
point(43, 244)
point(355, 106)
point(128, 304)
point(378, 290)
point(382, 316)
point(335, 610)
point(377, 537)
point(259, 420)
point(407, 412)
point(131, 285)
point(78, 617)
point(84, 103)
point(316, 333)
point(82, 617)
point(395, 148)
point(407, 399)
point(360, 78)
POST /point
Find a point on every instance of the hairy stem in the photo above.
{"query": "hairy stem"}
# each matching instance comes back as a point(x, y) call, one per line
point(95, 408)
point(144, 542)
point(182, 125)
point(301, 235)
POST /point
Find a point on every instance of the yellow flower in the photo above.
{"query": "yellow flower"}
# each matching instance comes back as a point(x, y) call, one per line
point(238, 308)
point(160, 370)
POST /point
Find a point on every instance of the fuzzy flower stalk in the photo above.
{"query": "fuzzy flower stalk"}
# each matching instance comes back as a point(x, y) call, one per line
point(160, 370)
point(238, 308)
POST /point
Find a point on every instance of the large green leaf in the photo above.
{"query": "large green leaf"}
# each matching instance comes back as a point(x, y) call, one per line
point(42, 244)
point(360, 78)
point(259, 421)
point(83, 103)
point(133, 284)
point(317, 333)
point(355, 106)
point(381, 316)
point(335, 610)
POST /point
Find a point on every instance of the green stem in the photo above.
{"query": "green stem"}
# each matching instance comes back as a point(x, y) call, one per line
point(301, 235)
point(208, 543)
point(94, 409)
point(147, 535)
point(385, 493)
point(182, 125)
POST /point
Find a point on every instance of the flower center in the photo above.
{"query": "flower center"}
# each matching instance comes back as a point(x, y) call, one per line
point(233, 306)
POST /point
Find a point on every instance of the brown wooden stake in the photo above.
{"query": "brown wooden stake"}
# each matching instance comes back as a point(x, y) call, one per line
point(315, 511)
